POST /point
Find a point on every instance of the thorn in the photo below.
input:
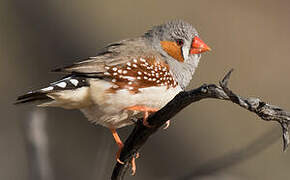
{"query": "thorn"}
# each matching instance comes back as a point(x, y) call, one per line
point(224, 82)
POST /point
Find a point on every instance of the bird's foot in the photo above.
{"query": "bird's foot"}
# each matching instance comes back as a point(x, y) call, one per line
point(133, 161)
point(121, 145)
point(146, 110)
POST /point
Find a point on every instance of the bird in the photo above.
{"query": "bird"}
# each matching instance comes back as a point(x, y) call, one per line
point(130, 78)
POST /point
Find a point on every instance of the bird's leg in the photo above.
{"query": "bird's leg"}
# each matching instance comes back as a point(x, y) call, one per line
point(121, 145)
point(146, 110)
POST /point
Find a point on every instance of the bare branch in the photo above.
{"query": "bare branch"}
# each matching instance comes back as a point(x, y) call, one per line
point(265, 111)
point(141, 133)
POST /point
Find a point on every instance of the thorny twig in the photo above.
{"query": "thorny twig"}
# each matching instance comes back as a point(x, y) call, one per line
point(141, 133)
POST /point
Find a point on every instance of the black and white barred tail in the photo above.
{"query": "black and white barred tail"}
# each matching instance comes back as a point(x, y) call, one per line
point(58, 93)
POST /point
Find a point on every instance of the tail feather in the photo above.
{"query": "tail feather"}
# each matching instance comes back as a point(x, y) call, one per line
point(71, 82)
point(32, 97)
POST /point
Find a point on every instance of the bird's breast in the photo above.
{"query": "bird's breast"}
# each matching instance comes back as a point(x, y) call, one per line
point(113, 102)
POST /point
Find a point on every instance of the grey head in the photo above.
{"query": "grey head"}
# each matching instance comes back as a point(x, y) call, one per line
point(179, 43)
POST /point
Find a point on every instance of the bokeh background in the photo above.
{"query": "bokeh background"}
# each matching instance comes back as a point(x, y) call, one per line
point(210, 139)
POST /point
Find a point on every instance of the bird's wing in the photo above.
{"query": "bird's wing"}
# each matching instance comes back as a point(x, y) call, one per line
point(114, 54)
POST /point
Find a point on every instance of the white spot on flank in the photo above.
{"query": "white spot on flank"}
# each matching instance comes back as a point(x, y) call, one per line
point(129, 78)
point(128, 68)
point(130, 83)
point(49, 88)
point(135, 60)
point(139, 72)
point(128, 63)
point(107, 73)
point(158, 81)
point(74, 82)
point(114, 80)
point(138, 77)
point(125, 72)
point(107, 67)
point(115, 69)
point(154, 79)
point(142, 59)
point(145, 77)
point(115, 74)
point(120, 71)
point(149, 79)
point(61, 84)
point(131, 88)
point(134, 65)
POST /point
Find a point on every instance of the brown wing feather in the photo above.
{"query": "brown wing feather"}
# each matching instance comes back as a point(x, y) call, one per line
point(113, 55)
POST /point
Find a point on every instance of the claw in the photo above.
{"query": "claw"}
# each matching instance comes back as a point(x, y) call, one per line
point(119, 161)
point(167, 124)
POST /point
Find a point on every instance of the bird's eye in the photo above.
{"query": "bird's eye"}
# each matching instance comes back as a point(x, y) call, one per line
point(179, 42)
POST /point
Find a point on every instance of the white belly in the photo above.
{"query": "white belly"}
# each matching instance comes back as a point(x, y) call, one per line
point(108, 109)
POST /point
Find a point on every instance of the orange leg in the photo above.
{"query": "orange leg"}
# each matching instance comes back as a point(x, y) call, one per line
point(121, 145)
point(146, 111)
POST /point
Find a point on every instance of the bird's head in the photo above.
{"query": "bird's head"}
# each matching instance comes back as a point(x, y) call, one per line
point(180, 44)
point(177, 39)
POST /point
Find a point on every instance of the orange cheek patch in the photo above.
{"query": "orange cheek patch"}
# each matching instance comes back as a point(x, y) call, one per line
point(172, 49)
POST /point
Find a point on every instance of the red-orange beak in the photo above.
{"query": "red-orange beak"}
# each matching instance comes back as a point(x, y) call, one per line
point(198, 46)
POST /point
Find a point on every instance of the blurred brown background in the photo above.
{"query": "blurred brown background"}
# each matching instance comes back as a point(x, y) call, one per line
point(208, 140)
